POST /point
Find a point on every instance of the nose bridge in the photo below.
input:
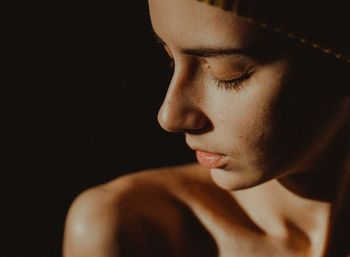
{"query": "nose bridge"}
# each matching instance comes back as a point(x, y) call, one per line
point(182, 106)
point(182, 89)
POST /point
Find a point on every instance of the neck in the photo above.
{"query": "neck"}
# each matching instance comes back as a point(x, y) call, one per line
point(321, 182)
point(279, 209)
point(300, 205)
point(321, 172)
point(301, 223)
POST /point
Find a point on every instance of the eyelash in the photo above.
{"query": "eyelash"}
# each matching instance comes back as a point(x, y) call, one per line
point(232, 84)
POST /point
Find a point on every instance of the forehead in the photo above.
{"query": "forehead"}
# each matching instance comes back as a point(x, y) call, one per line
point(189, 23)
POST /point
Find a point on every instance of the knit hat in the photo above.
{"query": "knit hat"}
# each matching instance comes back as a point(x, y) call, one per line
point(322, 24)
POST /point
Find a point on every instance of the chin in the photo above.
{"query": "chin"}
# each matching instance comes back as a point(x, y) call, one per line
point(234, 179)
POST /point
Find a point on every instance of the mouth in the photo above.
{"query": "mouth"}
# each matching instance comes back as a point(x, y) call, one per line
point(211, 160)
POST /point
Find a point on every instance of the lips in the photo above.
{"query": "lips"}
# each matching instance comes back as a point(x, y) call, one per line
point(211, 160)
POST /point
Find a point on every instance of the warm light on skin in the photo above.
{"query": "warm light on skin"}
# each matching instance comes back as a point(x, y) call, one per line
point(249, 123)
point(269, 121)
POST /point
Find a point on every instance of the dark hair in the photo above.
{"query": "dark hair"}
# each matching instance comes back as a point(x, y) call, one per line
point(333, 72)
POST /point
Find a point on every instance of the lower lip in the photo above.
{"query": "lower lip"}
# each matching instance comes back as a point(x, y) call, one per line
point(210, 160)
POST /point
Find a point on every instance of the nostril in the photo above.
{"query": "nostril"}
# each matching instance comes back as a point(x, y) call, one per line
point(201, 125)
point(175, 120)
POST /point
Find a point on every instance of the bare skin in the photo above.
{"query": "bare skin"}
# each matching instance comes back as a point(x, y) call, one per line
point(270, 111)
point(180, 211)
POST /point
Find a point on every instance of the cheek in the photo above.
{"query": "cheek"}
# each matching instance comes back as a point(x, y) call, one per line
point(246, 122)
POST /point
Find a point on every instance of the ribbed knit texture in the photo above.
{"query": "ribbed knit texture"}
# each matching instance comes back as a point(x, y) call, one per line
point(322, 24)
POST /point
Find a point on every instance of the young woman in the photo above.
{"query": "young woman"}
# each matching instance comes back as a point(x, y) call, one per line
point(267, 114)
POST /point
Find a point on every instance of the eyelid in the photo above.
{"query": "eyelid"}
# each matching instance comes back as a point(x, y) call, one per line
point(236, 76)
point(234, 83)
point(226, 71)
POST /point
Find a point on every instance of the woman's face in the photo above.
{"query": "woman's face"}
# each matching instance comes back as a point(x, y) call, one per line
point(249, 111)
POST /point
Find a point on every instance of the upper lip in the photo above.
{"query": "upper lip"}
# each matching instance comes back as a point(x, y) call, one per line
point(197, 147)
point(203, 150)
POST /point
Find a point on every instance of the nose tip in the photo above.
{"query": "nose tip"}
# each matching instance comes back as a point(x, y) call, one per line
point(174, 118)
point(184, 103)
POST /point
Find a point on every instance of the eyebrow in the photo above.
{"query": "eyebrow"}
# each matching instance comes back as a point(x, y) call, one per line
point(209, 52)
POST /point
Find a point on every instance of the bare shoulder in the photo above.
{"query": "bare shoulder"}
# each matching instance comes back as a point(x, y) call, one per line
point(90, 222)
point(111, 219)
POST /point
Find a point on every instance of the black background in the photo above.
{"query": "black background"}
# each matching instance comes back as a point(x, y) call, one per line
point(81, 86)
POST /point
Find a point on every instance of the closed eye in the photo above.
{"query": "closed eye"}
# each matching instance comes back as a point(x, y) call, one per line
point(232, 84)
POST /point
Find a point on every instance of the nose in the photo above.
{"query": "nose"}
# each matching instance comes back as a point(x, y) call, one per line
point(182, 109)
